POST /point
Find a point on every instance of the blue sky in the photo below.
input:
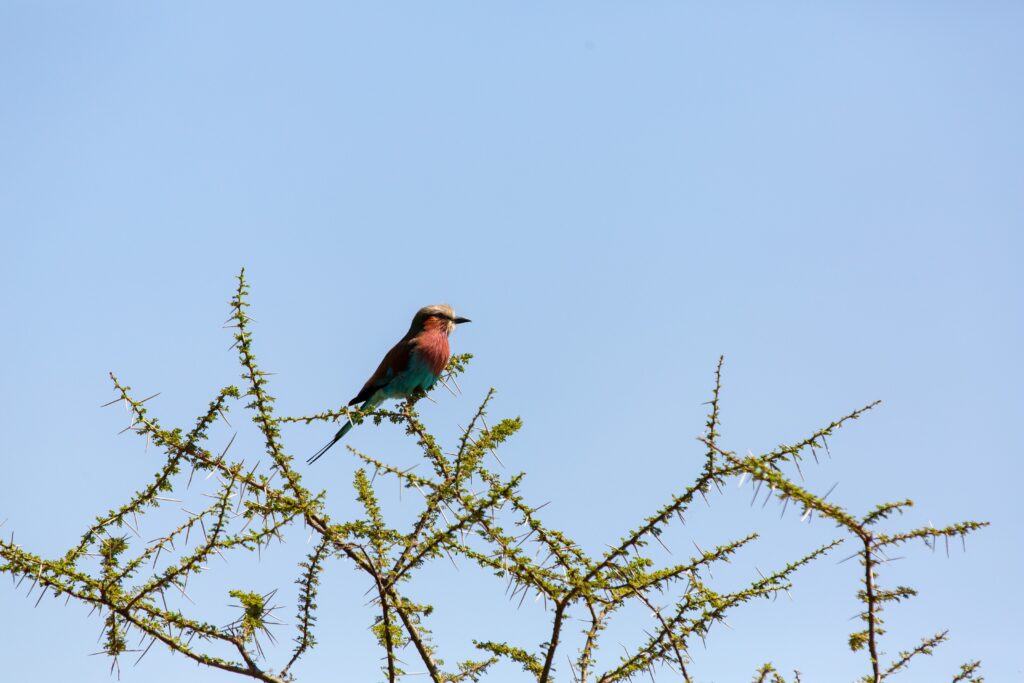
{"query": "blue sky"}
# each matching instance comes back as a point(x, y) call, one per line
point(616, 193)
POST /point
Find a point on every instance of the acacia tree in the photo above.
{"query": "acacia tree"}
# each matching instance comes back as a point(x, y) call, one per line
point(468, 510)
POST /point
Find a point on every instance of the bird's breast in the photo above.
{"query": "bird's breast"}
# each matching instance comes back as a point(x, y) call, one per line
point(434, 351)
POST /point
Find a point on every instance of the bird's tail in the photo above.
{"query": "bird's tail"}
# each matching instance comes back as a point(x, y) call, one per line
point(337, 437)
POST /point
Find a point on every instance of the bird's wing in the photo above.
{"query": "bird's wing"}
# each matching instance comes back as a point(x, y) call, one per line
point(395, 360)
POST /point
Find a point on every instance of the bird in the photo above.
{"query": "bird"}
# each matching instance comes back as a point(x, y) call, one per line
point(413, 364)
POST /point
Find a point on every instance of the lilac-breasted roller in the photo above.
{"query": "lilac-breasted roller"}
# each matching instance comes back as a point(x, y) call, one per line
point(413, 364)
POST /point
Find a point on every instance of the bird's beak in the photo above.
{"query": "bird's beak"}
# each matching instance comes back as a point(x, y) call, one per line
point(459, 321)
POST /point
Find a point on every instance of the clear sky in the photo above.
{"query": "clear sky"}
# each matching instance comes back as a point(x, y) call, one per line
point(828, 193)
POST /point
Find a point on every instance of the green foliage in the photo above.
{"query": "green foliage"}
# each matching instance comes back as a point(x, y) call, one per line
point(969, 673)
point(530, 663)
point(255, 618)
point(465, 510)
point(768, 674)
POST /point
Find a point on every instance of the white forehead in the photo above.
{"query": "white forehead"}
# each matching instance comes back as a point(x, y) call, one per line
point(438, 309)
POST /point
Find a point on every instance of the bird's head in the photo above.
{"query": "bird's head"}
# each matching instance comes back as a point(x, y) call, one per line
point(439, 317)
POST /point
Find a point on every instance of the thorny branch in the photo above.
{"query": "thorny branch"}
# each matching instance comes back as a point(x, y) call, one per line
point(247, 507)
